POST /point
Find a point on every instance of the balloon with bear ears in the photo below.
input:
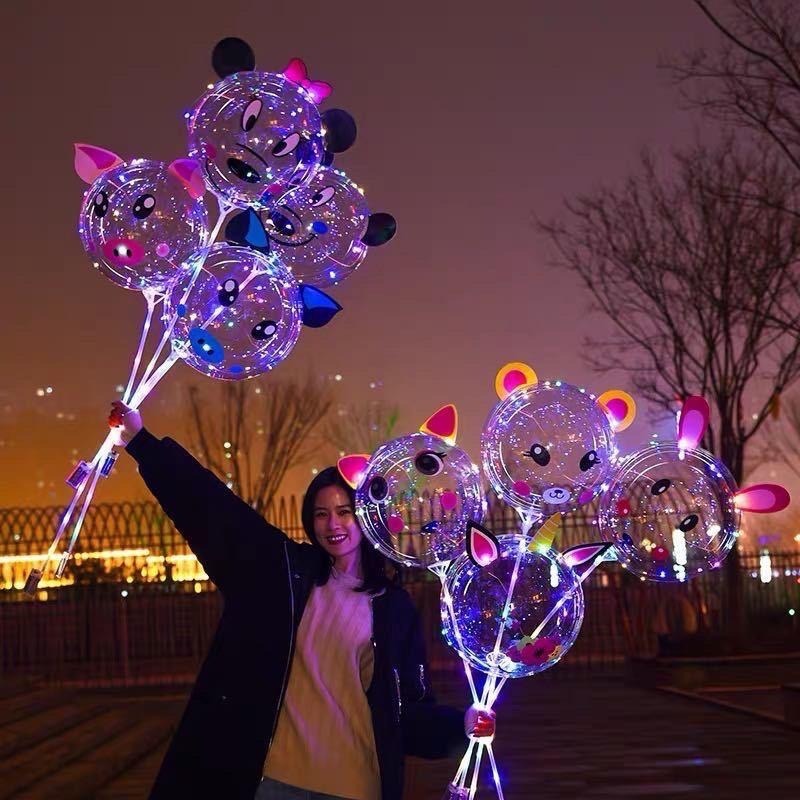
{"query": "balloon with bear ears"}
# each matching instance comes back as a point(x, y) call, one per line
point(550, 446)
point(259, 134)
point(140, 220)
point(321, 231)
point(238, 313)
point(673, 510)
point(415, 494)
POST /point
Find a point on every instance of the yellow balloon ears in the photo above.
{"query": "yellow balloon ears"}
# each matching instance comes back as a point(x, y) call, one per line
point(620, 408)
point(546, 535)
point(353, 468)
point(443, 423)
point(512, 376)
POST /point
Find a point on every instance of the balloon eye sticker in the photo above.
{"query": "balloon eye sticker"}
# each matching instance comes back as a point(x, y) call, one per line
point(206, 346)
point(100, 204)
point(228, 292)
point(265, 330)
point(250, 115)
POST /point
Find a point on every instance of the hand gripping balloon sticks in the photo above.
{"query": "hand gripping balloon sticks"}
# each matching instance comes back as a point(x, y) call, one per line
point(232, 297)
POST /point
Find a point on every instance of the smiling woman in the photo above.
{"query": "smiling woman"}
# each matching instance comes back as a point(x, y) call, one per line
point(317, 681)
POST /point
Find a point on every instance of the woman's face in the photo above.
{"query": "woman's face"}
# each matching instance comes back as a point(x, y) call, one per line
point(335, 524)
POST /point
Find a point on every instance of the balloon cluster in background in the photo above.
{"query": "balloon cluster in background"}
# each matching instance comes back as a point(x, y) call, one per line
point(511, 604)
point(290, 223)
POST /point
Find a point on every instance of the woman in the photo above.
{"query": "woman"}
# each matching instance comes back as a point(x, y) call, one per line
point(315, 684)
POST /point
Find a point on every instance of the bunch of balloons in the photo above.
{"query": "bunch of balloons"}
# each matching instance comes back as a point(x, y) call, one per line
point(511, 604)
point(291, 224)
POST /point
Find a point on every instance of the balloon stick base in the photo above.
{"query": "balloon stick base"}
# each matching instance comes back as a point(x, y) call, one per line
point(32, 582)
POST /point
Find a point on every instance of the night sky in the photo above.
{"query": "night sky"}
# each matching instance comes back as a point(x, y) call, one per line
point(473, 118)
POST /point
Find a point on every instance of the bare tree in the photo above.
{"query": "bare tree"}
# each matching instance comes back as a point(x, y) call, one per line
point(258, 431)
point(360, 428)
point(752, 80)
point(689, 273)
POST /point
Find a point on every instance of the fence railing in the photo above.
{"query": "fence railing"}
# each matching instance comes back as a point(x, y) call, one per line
point(136, 605)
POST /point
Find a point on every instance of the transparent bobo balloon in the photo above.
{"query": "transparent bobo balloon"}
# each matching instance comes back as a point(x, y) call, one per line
point(416, 499)
point(317, 229)
point(138, 223)
point(670, 513)
point(241, 317)
point(545, 611)
point(256, 134)
point(548, 447)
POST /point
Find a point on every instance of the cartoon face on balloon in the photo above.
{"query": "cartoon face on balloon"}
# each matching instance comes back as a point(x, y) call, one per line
point(321, 231)
point(256, 134)
point(239, 317)
point(672, 510)
point(540, 590)
point(549, 446)
point(140, 219)
point(416, 494)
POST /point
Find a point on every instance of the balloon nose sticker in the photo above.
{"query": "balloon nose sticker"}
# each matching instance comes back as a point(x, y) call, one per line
point(206, 346)
point(123, 252)
point(555, 495)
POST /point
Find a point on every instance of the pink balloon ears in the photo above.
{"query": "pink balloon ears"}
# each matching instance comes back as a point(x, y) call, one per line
point(512, 376)
point(762, 498)
point(482, 546)
point(297, 72)
point(353, 468)
point(91, 162)
point(190, 174)
point(584, 557)
point(443, 423)
point(620, 408)
point(692, 422)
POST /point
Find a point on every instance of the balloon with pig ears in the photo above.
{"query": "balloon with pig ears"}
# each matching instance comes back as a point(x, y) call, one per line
point(140, 219)
point(549, 446)
point(415, 494)
point(673, 510)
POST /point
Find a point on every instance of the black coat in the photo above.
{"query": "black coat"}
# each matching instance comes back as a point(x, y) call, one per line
point(265, 578)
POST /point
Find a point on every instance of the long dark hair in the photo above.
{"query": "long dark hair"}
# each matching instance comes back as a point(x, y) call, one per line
point(373, 564)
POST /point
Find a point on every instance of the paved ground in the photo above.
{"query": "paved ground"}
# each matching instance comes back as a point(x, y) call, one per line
point(557, 738)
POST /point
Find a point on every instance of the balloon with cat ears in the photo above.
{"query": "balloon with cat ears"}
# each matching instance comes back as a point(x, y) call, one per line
point(415, 493)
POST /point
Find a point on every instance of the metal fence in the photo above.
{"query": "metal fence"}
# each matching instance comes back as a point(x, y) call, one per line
point(137, 607)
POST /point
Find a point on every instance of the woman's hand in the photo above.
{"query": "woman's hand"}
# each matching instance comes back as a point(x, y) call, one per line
point(125, 421)
point(479, 723)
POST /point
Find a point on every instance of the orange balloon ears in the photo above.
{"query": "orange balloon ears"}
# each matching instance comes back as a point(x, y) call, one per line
point(190, 174)
point(512, 376)
point(443, 423)
point(353, 468)
point(620, 408)
point(692, 422)
point(762, 498)
point(482, 547)
point(92, 161)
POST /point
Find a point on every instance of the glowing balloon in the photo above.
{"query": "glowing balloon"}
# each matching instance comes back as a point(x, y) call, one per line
point(320, 231)
point(256, 135)
point(673, 512)
point(544, 613)
point(140, 220)
point(550, 446)
point(241, 316)
point(416, 494)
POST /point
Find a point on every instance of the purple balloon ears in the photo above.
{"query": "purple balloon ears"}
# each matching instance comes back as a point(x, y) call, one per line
point(340, 130)
point(380, 228)
point(232, 55)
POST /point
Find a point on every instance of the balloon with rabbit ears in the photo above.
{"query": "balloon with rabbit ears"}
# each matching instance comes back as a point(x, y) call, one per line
point(415, 494)
point(140, 220)
point(673, 510)
point(549, 446)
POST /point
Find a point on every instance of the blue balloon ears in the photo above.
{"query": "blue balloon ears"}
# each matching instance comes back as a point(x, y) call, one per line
point(340, 131)
point(232, 55)
point(318, 308)
point(380, 228)
point(247, 229)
